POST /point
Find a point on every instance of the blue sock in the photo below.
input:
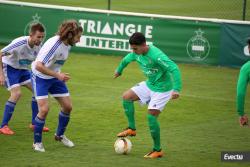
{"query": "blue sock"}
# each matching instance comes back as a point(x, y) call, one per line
point(34, 108)
point(8, 111)
point(63, 122)
point(39, 124)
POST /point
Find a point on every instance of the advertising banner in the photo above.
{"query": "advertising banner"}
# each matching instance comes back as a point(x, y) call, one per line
point(107, 33)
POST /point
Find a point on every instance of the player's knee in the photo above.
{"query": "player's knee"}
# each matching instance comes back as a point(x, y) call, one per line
point(126, 96)
point(154, 112)
point(43, 110)
point(16, 95)
point(67, 108)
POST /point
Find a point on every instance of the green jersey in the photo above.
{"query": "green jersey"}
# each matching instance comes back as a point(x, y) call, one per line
point(243, 80)
point(162, 73)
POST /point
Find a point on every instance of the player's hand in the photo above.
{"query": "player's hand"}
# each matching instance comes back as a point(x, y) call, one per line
point(63, 76)
point(2, 80)
point(243, 120)
point(175, 95)
point(116, 75)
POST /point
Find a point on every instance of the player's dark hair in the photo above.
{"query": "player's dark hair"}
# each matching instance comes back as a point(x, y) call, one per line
point(36, 27)
point(248, 40)
point(137, 39)
point(68, 29)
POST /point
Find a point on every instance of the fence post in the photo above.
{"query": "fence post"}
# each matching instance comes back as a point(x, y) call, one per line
point(109, 4)
point(244, 10)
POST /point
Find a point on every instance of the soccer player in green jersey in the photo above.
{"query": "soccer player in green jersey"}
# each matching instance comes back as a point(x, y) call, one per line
point(244, 78)
point(163, 84)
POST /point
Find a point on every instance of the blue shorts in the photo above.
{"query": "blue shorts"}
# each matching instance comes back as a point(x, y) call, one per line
point(42, 87)
point(15, 77)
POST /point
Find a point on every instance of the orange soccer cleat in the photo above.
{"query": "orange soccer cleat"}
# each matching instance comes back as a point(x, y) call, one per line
point(127, 132)
point(6, 130)
point(45, 129)
point(154, 154)
point(243, 120)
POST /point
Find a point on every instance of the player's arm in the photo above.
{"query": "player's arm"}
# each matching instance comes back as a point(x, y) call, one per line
point(241, 93)
point(169, 66)
point(124, 62)
point(2, 79)
point(7, 50)
point(242, 88)
point(43, 69)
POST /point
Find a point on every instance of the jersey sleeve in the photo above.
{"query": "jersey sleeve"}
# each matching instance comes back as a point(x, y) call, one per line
point(13, 47)
point(169, 66)
point(47, 52)
point(124, 62)
point(242, 88)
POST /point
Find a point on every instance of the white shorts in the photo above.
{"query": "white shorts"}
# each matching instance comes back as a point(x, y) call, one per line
point(155, 100)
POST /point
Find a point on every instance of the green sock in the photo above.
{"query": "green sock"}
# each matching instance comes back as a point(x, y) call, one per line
point(128, 106)
point(155, 131)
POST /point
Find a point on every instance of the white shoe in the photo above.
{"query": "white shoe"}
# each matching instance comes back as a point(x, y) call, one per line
point(38, 147)
point(64, 140)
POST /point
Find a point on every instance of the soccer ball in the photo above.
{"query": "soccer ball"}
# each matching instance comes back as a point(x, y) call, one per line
point(122, 146)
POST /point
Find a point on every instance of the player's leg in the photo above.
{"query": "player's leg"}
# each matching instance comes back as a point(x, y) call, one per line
point(136, 93)
point(128, 99)
point(156, 105)
point(12, 83)
point(60, 91)
point(40, 87)
point(43, 105)
point(64, 115)
point(155, 134)
point(15, 94)
point(34, 108)
point(63, 120)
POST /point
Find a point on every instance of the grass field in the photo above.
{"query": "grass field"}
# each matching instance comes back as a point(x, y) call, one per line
point(229, 9)
point(194, 129)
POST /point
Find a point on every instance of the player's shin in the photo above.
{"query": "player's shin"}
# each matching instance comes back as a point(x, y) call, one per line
point(63, 120)
point(8, 111)
point(39, 124)
point(155, 131)
point(128, 106)
point(35, 110)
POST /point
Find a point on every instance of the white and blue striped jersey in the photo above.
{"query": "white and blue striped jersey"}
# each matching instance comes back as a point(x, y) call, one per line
point(18, 54)
point(53, 54)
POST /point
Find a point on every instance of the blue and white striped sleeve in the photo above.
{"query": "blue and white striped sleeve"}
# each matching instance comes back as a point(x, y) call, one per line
point(47, 52)
point(13, 46)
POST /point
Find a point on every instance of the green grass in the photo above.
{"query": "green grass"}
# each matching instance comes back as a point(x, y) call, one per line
point(194, 129)
point(229, 9)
